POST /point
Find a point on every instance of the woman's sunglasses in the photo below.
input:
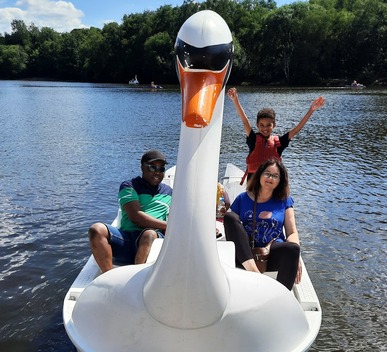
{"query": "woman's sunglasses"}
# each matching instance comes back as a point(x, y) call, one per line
point(155, 168)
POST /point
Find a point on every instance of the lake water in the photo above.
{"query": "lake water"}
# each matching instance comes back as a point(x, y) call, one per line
point(65, 148)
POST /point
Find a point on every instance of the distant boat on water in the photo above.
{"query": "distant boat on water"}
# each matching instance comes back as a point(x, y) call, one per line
point(356, 85)
point(155, 86)
point(134, 80)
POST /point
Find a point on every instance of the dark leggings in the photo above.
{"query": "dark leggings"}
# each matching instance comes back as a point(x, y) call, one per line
point(283, 257)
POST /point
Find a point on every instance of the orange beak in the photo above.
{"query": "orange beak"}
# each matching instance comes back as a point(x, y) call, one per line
point(200, 91)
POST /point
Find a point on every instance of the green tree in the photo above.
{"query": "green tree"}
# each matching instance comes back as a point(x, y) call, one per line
point(186, 10)
point(302, 43)
point(241, 65)
point(92, 55)
point(69, 63)
point(276, 50)
point(369, 38)
point(166, 20)
point(114, 56)
point(20, 34)
point(13, 61)
point(44, 52)
point(311, 28)
point(248, 26)
point(136, 29)
point(158, 56)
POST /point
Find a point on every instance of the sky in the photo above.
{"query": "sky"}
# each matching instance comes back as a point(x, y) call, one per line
point(63, 16)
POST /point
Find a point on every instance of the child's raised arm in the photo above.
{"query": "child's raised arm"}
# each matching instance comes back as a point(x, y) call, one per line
point(233, 95)
point(317, 104)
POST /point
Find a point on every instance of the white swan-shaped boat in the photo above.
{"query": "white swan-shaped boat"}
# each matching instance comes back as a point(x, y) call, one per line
point(189, 299)
point(134, 80)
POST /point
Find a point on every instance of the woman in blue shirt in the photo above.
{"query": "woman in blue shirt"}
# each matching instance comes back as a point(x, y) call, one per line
point(269, 189)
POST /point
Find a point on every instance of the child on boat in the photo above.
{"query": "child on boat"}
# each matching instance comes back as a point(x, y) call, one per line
point(222, 201)
point(262, 145)
point(222, 205)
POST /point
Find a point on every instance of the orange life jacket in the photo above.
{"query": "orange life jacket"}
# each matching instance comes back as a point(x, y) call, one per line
point(264, 150)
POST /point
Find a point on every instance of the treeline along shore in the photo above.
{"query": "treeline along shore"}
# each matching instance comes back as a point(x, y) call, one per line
point(319, 42)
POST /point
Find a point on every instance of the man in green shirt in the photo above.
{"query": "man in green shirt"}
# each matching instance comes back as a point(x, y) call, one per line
point(144, 202)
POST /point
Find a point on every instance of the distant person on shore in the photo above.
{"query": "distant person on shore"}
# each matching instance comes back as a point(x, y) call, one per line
point(144, 202)
point(262, 145)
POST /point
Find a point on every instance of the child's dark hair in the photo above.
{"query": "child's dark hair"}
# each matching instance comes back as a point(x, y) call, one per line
point(281, 191)
point(266, 113)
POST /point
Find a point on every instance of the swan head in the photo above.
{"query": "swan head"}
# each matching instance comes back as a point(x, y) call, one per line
point(204, 51)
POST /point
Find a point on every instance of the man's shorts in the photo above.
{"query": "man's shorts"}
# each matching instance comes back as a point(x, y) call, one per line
point(124, 244)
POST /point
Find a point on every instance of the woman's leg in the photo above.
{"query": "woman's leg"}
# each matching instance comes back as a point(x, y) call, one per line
point(284, 258)
point(236, 233)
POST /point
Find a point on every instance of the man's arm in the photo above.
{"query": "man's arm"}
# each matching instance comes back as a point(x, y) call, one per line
point(142, 219)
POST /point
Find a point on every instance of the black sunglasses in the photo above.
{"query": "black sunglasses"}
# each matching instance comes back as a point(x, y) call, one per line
point(155, 168)
point(214, 57)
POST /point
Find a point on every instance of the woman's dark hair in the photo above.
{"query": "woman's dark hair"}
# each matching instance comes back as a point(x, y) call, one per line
point(281, 191)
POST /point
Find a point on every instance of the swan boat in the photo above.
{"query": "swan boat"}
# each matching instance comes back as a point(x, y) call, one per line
point(134, 80)
point(189, 296)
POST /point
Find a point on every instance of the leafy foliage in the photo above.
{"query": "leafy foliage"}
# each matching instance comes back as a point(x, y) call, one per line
point(305, 43)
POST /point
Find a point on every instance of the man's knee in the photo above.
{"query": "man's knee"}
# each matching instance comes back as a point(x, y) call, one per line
point(147, 237)
point(97, 232)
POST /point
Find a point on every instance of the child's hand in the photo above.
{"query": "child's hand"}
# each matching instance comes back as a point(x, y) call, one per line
point(232, 94)
point(318, 103)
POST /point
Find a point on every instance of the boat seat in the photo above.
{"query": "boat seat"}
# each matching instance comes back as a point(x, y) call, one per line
point(233, 189)
point(304, 293)
point(117, 221)
point(226, 251)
